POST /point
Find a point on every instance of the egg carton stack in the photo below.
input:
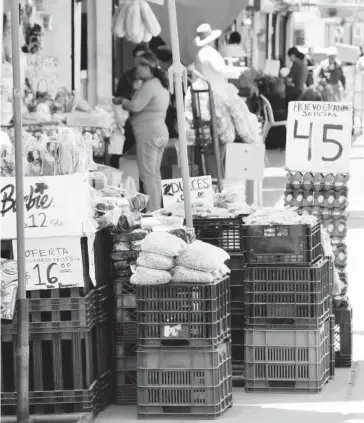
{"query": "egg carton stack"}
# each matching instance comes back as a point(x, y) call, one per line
point(288, 303)
point(126, 248)
point(325, 196)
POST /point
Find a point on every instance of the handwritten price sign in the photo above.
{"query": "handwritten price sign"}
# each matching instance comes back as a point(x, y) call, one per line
point(44, 73)
point(54, 206)
point(200, 187)
point(53, 263)
point(319, 137)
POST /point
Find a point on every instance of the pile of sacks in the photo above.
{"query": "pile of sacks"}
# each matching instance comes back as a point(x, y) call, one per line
point(167, 258)
point(127, 240)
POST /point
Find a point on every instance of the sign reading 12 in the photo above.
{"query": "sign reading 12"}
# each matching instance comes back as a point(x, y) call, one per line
point(325, 140)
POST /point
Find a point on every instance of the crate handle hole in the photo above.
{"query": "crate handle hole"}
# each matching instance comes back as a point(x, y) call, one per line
point(175, 342)
point(176, 410)
point(282, 384)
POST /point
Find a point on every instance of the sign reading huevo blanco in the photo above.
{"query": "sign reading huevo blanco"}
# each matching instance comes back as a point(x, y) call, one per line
point(319, 136)
point(54, 206)
point(200, 186)
point(53, 262)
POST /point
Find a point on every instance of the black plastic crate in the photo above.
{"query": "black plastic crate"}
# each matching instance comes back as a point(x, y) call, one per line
point(180, 315)
point(62, 310)
point(185, 383)
point(332, 346)
point(92, 400)
point(292, 296)
point(287, 360)
point(126, 325)
point(61, 365)
point(224, 233)
point(125, 357)
point(282, 244)
point(343, 336)
point(126, 387)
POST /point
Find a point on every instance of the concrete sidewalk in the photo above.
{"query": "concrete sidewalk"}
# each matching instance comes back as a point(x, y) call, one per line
point(342, 400)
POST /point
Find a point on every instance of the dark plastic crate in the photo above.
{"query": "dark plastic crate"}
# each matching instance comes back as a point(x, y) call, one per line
point(343, 336)
point(60, 364)
point(91, 400)
point(185, 383)
point(180, 315)
point(332, 346)
point(282, 244)
point(62, 310)
point(289, 360)
point(126, 387)
point(224, 233)
point(291, 296)
point(125, 356)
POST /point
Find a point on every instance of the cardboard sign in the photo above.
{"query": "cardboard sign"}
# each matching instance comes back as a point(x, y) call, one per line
point(43, 72)
point(319, 137)
point(53, 263)
point(54, 206)
point(272, 67)
point(347, 53)
point(244, 162)
point(200, 186)
point(9, 287)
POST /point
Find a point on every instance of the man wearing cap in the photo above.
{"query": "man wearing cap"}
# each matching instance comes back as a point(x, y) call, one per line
point(331, 71)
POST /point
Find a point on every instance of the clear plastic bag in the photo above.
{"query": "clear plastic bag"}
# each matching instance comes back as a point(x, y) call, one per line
point(156, 261)
point(164, 244)
point(202, 256)
point(146, 276)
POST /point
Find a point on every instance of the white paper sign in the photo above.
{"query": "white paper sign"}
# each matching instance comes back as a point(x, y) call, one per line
point(53, 263)
point(43, 72)
point(54, 206)
point(319, 136)
point(200, 186)
point(9, 287)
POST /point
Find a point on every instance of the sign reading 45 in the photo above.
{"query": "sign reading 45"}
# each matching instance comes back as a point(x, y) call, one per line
point(319, 137)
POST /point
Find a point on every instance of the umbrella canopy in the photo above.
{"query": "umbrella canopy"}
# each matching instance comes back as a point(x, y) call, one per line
point(190, 14)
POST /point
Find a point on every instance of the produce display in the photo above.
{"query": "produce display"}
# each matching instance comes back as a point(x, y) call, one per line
point(135, 20)
point(324, 196)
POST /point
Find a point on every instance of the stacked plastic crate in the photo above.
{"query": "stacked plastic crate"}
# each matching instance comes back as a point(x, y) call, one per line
point(326, 196)
point(184, 350)
point(70, 349)
point(287, 308)
point(226, 233)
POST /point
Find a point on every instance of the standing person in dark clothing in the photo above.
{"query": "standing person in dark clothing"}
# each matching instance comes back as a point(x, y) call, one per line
point(127, 86)
point(310, 65)
point(331, 72)
point(297, 76)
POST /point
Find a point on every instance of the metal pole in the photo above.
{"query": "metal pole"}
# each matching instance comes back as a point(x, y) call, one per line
point(22, 340)
point(178, 75)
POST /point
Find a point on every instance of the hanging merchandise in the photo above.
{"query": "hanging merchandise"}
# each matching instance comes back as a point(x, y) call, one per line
point(135, 20)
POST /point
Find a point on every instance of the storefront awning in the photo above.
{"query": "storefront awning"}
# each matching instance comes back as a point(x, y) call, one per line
point(220, 14)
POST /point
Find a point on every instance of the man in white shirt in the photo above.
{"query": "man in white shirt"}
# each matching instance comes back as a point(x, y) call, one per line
point(233, 48)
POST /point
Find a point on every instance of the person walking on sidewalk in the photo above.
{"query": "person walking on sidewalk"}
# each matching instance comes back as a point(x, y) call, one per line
point(332, 74)
point(297, 76)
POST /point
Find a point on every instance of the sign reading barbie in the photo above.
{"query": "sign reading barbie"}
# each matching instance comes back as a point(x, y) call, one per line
point(54, 206)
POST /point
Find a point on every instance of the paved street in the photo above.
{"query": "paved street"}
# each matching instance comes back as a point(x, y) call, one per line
point(343, 398)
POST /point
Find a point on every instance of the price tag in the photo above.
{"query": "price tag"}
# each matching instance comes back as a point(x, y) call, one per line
point(53, 263)
point(200, 188)
point(54, 206)
point(319, 137)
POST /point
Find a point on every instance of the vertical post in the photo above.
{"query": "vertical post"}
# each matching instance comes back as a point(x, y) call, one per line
point(91, 53)
point(22, 340)
point(77, 22)
point(180, 78)
point(1, 27)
